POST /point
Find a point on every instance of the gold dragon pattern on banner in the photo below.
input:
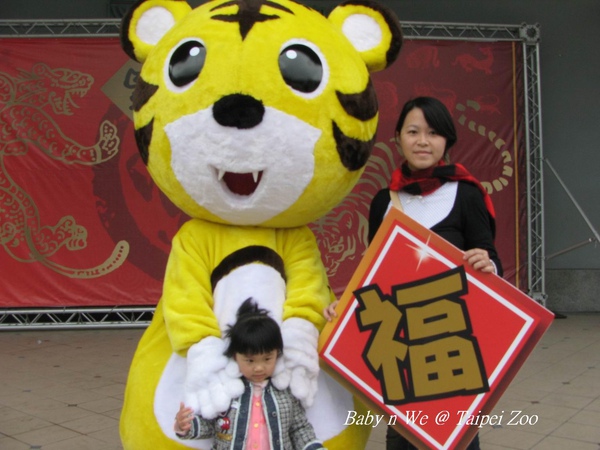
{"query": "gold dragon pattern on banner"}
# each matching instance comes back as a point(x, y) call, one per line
point(503, 180)
point(339, 246)
point(25, 124)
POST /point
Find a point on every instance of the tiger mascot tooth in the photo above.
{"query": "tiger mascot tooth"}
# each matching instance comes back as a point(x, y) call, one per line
point(255, 117)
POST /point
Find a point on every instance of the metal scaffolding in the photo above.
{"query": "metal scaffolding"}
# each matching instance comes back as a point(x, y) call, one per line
point(528, 35)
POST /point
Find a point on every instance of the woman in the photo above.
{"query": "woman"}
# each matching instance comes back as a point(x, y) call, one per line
point(442, 197)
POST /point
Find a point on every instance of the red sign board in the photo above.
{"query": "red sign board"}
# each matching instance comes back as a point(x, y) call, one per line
point(426, 341)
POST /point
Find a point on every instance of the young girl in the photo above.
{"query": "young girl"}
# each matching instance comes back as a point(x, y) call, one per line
point(264, 417)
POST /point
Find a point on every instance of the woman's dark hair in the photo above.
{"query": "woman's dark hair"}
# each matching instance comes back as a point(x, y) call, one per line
point(254, 332)
point(436, 114)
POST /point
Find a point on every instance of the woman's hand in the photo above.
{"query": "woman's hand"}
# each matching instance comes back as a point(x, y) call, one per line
point(329, 312)
point(479, 259)
point(183, 419)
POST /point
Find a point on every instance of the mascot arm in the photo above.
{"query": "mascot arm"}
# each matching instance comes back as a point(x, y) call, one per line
point(307, 286)
point(307, 294)
point(187, 294)
point(211, 380)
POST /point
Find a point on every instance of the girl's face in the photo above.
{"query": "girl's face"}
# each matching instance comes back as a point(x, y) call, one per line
point(420, 144)
point(257, 368)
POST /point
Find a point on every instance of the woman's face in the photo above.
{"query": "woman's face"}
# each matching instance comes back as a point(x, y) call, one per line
point(420, 144)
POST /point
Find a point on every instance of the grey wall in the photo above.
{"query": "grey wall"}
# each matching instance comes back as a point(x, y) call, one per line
point(570, 75)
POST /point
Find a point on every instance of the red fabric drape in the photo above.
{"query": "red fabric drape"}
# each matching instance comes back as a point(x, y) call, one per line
point(82, 224)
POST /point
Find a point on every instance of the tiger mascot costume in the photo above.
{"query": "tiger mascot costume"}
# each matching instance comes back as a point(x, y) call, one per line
point(255, 117)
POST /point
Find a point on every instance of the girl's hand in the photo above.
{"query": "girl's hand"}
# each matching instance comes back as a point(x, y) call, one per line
point(183, 419)
point(329, 312)
point(479, 259)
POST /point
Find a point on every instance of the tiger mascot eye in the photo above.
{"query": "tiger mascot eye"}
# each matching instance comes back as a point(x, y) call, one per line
point(255, 117)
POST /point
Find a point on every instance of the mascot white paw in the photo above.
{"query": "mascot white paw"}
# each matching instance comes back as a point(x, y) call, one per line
point(212, 380)
point(299, 367)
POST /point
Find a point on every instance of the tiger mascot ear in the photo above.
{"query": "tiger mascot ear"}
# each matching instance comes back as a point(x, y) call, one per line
point(372, 29)
point(147, 22)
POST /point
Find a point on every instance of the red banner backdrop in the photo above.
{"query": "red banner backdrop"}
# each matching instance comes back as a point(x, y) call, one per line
point(82, 224)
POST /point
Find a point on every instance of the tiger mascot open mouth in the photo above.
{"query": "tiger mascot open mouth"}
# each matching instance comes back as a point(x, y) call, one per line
point(255, 117)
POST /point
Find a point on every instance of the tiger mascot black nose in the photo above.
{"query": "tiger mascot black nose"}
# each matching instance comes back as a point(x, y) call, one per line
point(238, 111)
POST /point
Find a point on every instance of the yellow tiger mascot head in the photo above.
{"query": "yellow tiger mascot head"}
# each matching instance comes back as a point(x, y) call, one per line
point(257, 112)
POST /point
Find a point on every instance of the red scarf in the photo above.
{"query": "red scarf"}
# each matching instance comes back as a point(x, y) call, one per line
point(423, 182)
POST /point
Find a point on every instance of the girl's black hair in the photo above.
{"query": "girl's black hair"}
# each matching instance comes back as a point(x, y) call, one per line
point(254, 332)
point(436, 115)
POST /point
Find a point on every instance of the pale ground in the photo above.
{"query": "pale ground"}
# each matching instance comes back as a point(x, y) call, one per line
point(63, 390)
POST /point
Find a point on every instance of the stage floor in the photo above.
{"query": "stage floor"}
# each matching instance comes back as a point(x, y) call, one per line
point(63, 390)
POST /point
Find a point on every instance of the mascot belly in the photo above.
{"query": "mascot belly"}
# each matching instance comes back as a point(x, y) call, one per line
point(255, 117)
